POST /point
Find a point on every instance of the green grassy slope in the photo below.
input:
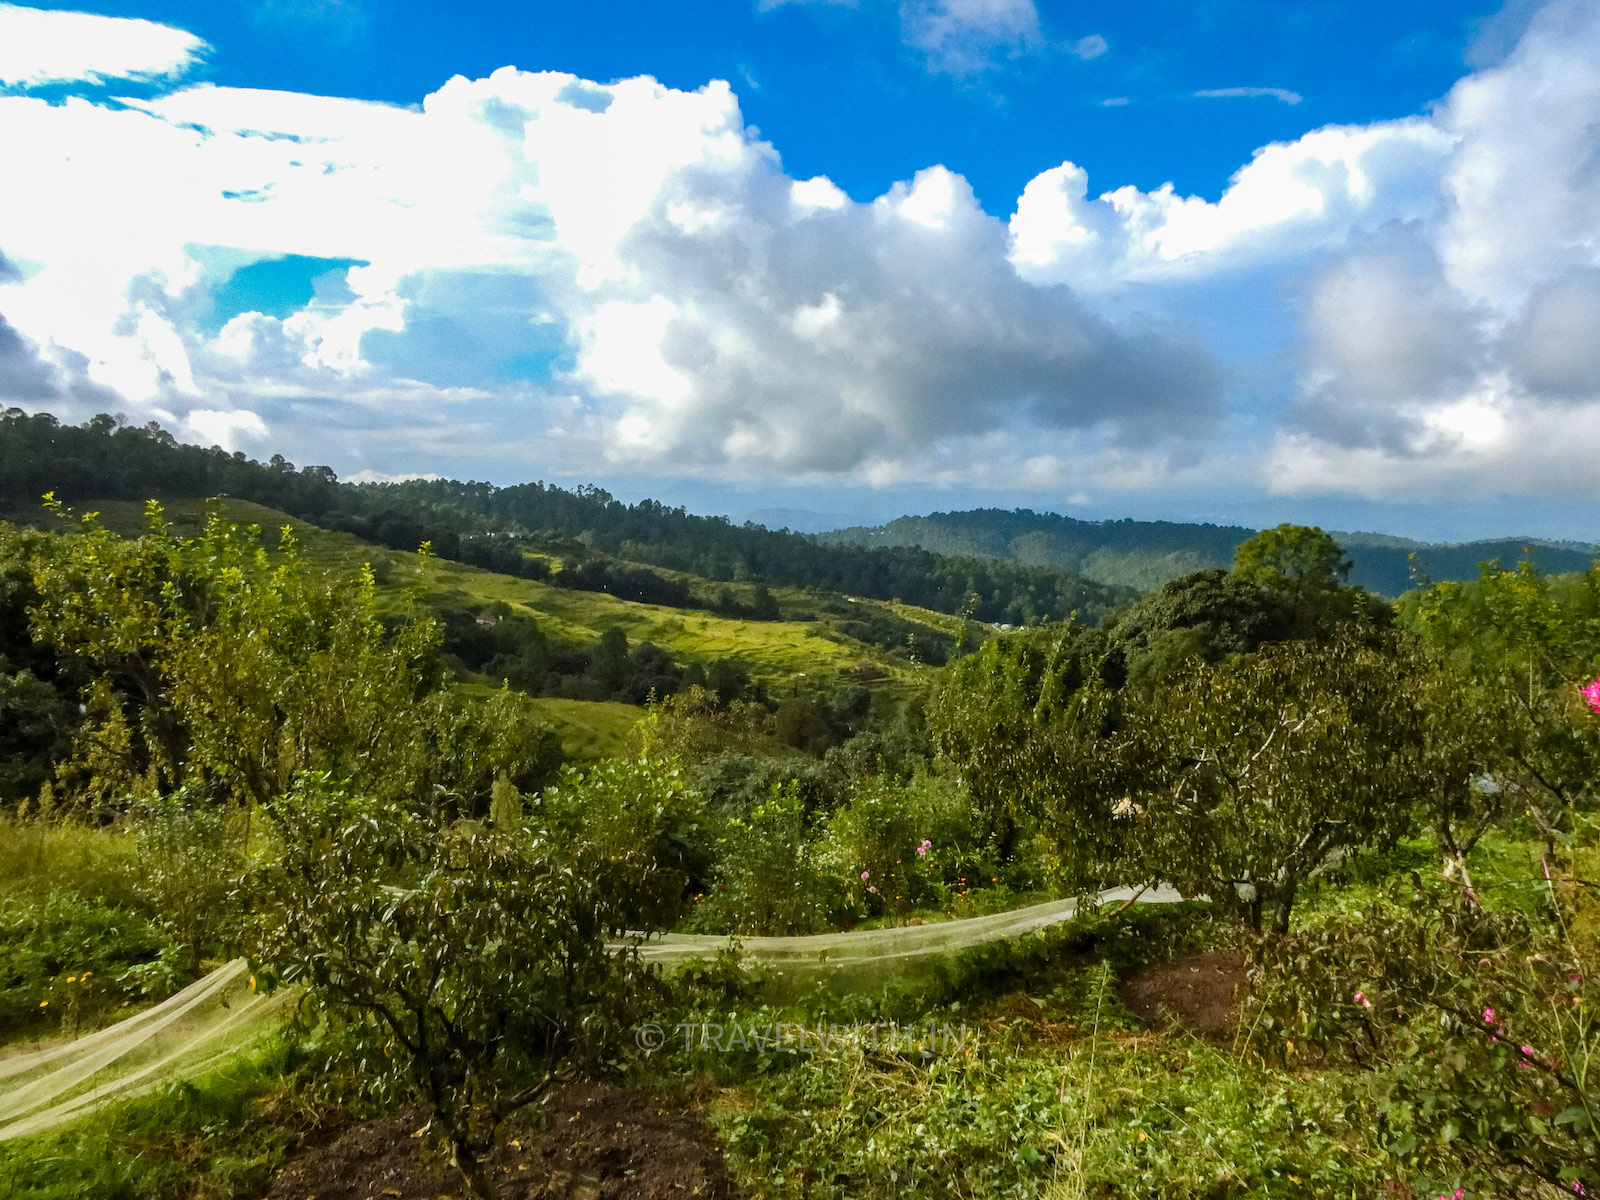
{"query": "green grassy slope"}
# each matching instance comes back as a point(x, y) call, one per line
point(776, 651)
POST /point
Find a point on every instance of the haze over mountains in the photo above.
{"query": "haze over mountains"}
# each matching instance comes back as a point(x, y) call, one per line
point(1145, 554)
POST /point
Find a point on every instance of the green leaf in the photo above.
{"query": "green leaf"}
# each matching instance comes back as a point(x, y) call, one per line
point(1575, 1116)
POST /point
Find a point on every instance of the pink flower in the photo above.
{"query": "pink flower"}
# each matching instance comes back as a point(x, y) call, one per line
point(866, 875)
point(1362, 1000)
point(923, 849)
point(1488, 1016)
point(1591, 695)
point(1528, 1051)
point(1578, 1189)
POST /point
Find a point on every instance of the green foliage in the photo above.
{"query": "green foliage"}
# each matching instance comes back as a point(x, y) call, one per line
point(226, 670)
point(643, 813)
point(696, 725)
point(36, 728)
point(1511, 650)
point(65, 960)
point(881, 829)
point(988, 718)
point(1205, 615)
point(1239, 780)
point(1479, 1029)
point(768, 878)
point(471, 964)
point(190, 858)
point(1298, 560)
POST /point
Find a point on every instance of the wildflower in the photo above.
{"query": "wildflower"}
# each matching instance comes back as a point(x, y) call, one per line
point(72, 979)
point(1578, 1189)
point(1591, 695)
point(866, 875)
point(1362, 1000)
point(1527, 1051)
point(1488, 1016)
point(44, 1004)
point(922, 850)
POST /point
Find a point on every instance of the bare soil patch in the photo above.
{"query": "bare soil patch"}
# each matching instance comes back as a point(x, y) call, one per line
point(1199, 993)
point(590, 1142)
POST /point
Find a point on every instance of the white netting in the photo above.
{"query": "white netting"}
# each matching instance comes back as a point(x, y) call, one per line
point(197, 1029)
point(180, 1038)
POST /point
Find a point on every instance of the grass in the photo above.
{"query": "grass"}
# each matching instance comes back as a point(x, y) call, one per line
point(589, 729)
point(1027, 1078)
point(219, 1135)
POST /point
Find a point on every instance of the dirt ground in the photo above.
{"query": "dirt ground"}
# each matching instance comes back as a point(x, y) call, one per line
point(606, 1143)
point(1198, 992)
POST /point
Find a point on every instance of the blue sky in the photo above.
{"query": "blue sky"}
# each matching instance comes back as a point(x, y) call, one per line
point(1335, 262)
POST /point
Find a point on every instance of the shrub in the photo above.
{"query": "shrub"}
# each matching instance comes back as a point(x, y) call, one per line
point(767, 879)
point(1479, 1028)
point(189, 860)
point(898, 846)
point(644, 813)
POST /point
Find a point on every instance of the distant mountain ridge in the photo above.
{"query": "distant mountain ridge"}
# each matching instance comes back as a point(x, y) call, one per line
point(1145, 554)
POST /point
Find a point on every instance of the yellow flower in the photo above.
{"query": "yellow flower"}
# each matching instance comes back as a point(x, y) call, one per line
point(72, 979)
point(44, 1004)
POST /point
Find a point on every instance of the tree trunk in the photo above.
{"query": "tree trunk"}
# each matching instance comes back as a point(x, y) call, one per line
point(1253, 914)
point(1280, 915)
point(472, 1171)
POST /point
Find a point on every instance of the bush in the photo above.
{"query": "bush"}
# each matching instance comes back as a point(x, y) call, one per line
point(767, 879)
point(898, 846)
point(190, 860)
point(1479, 1028)
point(642, 812)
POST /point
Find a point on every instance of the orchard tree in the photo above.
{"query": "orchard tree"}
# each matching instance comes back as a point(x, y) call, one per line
point(1245, 777)
point(1511, 650)
point(1207, 614)
point(1000, 712)
point(470, 964)
point(1234, 780)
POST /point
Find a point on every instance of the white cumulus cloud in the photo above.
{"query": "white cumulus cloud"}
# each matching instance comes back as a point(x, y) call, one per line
point(554, 270)
point(40, 47)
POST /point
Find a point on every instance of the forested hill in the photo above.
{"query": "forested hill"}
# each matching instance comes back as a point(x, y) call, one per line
point(498, 527)
point(1145, 554)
